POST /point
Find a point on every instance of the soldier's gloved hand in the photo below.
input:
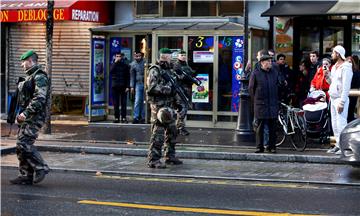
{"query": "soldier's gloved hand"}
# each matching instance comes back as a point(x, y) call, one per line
point(166, 90)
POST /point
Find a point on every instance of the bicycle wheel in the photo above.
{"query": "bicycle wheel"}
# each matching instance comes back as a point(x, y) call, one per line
point(299, 138)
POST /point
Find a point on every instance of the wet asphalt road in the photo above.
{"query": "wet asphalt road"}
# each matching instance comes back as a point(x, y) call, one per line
point(60, 193)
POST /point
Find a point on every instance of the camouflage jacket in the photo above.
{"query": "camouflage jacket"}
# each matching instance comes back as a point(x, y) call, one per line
point(156, 87)
point(33, 95)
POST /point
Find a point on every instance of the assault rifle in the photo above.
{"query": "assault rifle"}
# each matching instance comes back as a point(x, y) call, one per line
point(178, 89)
point(188, 77)
point(14, 104)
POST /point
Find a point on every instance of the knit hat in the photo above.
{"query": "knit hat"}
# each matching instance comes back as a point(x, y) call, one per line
point(340, 49)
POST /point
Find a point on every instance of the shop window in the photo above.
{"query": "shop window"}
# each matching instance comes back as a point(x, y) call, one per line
point(175, 8)
point(355, 45)
point(231, 8)
point(147, 7)
point(230, 68)
point(332, 37)
point(175, 44)
point(203, 8)
point(309, 39)
point(201, 59)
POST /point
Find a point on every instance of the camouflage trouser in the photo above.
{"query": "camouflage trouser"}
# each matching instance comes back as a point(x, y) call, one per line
point(160, 134)
point(29, 158)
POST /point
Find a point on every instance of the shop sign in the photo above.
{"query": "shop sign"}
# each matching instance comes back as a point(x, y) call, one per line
point(30, 15)
point(92, 11)
point(203, 57)
point(200, 94)
point(98, 71)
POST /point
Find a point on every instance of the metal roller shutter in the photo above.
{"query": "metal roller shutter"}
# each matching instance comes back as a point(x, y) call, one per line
point(71, 50)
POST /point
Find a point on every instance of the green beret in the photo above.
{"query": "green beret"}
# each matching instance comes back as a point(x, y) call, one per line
point(165, 51)
point(27, 54)
point(182, 52)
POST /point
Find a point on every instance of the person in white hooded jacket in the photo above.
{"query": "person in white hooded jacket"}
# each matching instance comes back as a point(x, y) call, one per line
point(340, 77)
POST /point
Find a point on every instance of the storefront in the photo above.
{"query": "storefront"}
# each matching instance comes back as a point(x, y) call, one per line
point(23, 25)
point(215, 52)
point(301, 27)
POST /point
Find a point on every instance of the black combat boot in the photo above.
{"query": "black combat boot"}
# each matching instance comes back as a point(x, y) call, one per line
point(156, 164)
point(40, 175)
point(173, 160)
point(22, 180)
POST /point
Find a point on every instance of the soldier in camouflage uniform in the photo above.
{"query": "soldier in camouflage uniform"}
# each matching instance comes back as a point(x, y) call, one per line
point(33, 95)
point(182, 65)
point(162, 99)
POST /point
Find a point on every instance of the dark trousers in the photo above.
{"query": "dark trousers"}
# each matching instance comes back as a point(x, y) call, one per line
point(260, 133)
point(119, 95)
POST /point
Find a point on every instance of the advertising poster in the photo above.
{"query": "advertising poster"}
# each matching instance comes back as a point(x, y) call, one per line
point(122, 45)
point(200, 94)
point(98, 71)
point(237, 70)
point(284, 38)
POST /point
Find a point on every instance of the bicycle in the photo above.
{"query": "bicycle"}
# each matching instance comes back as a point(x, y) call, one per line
point(291, 123)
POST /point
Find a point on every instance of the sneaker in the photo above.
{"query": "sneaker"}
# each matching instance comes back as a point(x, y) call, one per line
point(22, 180)
point(338, 152)
point(183, 132)
point(116, 121)
point(173, 160)
point(40, 175)
point(123, 120)
point(156, 164)
point(260, 150)
point(333, 150)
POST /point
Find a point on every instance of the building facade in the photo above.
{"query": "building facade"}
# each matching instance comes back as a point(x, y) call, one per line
point(212, 34)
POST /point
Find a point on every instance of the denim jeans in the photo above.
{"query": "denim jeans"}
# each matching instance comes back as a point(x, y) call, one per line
point(139, 102)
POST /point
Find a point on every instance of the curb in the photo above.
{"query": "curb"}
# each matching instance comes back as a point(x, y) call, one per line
point(198, 154)
point(169, 175)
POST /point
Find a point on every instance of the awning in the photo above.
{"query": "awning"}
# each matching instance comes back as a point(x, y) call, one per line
point(35, 11)
point(303, 8)
point(170, 26)
point(345, 7)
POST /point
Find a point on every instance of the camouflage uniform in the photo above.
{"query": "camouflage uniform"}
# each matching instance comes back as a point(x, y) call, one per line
point(183, 65)
point(159, 95)
point(33, 95)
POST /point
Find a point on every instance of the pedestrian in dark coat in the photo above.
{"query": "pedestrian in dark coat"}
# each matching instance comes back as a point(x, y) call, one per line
point(120, 83)
point(263, 88)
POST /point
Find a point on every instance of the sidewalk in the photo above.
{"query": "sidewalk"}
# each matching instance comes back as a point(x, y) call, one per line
point(132, 140)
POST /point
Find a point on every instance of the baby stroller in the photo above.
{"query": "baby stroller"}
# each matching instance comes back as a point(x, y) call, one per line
point(316, 114)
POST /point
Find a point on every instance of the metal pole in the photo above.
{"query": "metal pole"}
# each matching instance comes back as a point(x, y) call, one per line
point(244, 121)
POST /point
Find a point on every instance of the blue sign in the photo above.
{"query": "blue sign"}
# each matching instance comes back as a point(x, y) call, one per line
point(237, 70)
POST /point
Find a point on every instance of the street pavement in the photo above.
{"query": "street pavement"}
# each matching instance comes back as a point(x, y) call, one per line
point(207, 153)
point(85, 194)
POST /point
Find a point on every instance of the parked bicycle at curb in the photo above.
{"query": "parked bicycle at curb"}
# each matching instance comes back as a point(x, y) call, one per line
point(291, 123)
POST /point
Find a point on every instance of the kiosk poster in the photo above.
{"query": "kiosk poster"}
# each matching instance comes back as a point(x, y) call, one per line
point(200, 94)
point(237, 70)
point(98, 71)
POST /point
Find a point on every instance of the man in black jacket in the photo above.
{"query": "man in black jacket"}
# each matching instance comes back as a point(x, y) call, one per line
point(120, 81)
point(264, 92)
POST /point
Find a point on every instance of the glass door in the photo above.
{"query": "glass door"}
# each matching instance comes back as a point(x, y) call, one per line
point(201, 60)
